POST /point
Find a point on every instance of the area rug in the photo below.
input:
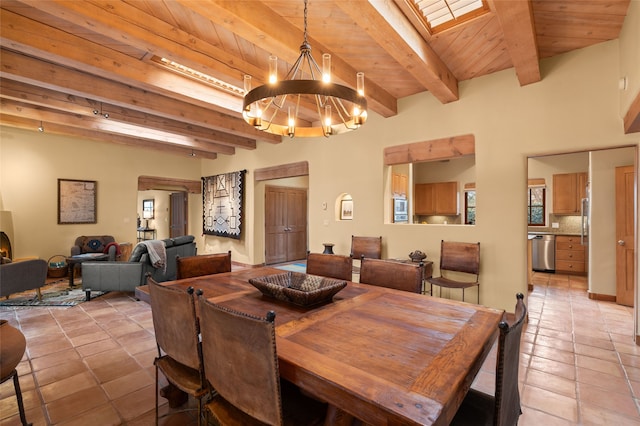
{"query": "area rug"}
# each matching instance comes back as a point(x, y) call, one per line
point(294, 267)
point(54, 294)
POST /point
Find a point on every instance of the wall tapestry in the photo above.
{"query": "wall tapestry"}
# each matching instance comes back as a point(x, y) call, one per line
point(222, 201)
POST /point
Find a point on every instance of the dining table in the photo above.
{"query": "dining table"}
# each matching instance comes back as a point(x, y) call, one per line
point(383, 356)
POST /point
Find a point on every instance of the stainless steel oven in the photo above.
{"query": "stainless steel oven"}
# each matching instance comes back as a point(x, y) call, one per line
point(400, 213)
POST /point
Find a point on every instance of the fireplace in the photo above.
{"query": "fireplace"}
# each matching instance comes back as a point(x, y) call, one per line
point(5, 246)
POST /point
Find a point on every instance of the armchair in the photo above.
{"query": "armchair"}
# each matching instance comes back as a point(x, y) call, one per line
point(17, 277)
point(95, 244)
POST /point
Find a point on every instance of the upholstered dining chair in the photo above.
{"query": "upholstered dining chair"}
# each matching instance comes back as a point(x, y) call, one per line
point(241, 362)
point(459, 266)
point(204, 264)
point(177, 337)
point(392, 274)
point(329, 265)
point(503, 408)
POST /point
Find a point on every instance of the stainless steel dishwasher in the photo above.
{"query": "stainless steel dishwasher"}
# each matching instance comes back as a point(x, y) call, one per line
point(543, 249)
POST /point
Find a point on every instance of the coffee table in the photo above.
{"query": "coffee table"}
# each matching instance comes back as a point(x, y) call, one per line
point(72, 261)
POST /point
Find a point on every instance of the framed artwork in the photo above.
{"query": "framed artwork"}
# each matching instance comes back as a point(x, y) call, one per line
point(222, 204)
point(147, 209)
point(77, 201)
point(346, 209)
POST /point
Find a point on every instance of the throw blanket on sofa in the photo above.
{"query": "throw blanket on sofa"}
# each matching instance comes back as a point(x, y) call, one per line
point(157, 253)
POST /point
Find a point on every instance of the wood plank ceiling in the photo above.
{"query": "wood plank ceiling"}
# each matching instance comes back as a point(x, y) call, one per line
point(65, 65)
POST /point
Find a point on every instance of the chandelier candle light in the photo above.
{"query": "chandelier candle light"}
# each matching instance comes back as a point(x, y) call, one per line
point(275, 107)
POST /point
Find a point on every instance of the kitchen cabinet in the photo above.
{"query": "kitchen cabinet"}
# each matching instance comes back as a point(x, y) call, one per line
point(438, 198)
point(399, 184)
point(568, 191)
point(571, 256)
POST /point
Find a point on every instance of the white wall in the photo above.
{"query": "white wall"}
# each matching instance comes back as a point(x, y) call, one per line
point(31, 163)
point(602, 229)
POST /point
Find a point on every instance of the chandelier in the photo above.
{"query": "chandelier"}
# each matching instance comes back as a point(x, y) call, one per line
point(277, 106)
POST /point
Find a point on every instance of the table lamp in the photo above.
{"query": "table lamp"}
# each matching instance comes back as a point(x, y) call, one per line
point(147, 214)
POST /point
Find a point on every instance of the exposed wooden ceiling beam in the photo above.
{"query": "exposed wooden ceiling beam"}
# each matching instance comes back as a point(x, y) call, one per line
point(632, 117)
point(33, 38)
point(123, 22)
point(386, 24)
point(516, 19)
point(59, 129)
point(224, 143)
point(260, 25)
point(101, 124)
point(18, 67)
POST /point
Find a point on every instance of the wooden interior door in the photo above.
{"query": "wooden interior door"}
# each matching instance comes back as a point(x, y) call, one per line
point(625, 241)
point(178, 203)
point(285, 224)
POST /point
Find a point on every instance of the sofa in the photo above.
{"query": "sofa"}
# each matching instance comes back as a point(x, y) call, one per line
point(21, 276)
point(95, 244)
point(126, 276)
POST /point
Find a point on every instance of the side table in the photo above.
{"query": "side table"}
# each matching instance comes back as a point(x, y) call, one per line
point(144, 233)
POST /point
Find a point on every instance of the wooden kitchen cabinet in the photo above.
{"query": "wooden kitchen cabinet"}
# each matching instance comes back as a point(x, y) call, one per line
point(571, 256)
point(439, 198)
point(568, 191)
point(399, 184)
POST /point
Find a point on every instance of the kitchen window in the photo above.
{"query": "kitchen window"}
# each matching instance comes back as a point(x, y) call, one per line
point(536, 206)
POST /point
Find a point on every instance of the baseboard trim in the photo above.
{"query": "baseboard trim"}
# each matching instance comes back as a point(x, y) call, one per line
point(602, 297)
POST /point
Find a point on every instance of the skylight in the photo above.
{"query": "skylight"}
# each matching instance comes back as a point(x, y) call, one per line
point(442, 14)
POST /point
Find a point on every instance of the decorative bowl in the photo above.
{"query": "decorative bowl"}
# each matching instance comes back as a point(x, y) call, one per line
point(298, 288)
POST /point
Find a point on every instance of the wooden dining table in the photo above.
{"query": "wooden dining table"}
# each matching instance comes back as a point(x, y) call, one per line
point(384, 356)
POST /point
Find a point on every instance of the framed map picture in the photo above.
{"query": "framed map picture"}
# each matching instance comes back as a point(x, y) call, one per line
point(77, 201)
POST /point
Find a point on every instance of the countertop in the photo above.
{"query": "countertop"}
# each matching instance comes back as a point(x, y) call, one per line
point(576, 234)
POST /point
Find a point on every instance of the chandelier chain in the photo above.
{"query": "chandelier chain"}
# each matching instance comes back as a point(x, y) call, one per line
point(305, 22)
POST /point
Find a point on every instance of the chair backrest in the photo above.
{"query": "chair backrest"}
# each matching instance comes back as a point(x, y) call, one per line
point(240, 358)
point(460, 257)
point(507, 396)
point(391, 274)
point(206, 264)
point(330, 265)
point(175, 323)
point(369, 247)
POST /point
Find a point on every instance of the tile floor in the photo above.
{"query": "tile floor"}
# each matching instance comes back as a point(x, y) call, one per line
point(93, 363)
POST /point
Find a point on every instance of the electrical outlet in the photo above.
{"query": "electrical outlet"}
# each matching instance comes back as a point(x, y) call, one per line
point(555, 225)
point(324, 205)
point(326, 222)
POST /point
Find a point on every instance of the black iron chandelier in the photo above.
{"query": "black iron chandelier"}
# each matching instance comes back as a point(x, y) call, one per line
point(276, 106)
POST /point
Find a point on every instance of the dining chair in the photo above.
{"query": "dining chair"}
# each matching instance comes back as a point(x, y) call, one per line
point(241, 361)
point(206, 264)
point(503, 408)
point(177, 336)
point(329, 265)
point(369, 247)
point(392, 274)
point(459, 266)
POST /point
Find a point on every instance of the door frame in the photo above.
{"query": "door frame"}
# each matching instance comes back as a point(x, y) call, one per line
point(295, 175)
point(636, 310)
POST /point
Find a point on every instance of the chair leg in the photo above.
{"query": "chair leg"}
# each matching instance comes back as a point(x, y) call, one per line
point(16, 386)
point(199, 411)
point(156, 395)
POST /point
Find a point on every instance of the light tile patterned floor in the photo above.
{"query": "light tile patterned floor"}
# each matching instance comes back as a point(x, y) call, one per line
point(93, 364)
